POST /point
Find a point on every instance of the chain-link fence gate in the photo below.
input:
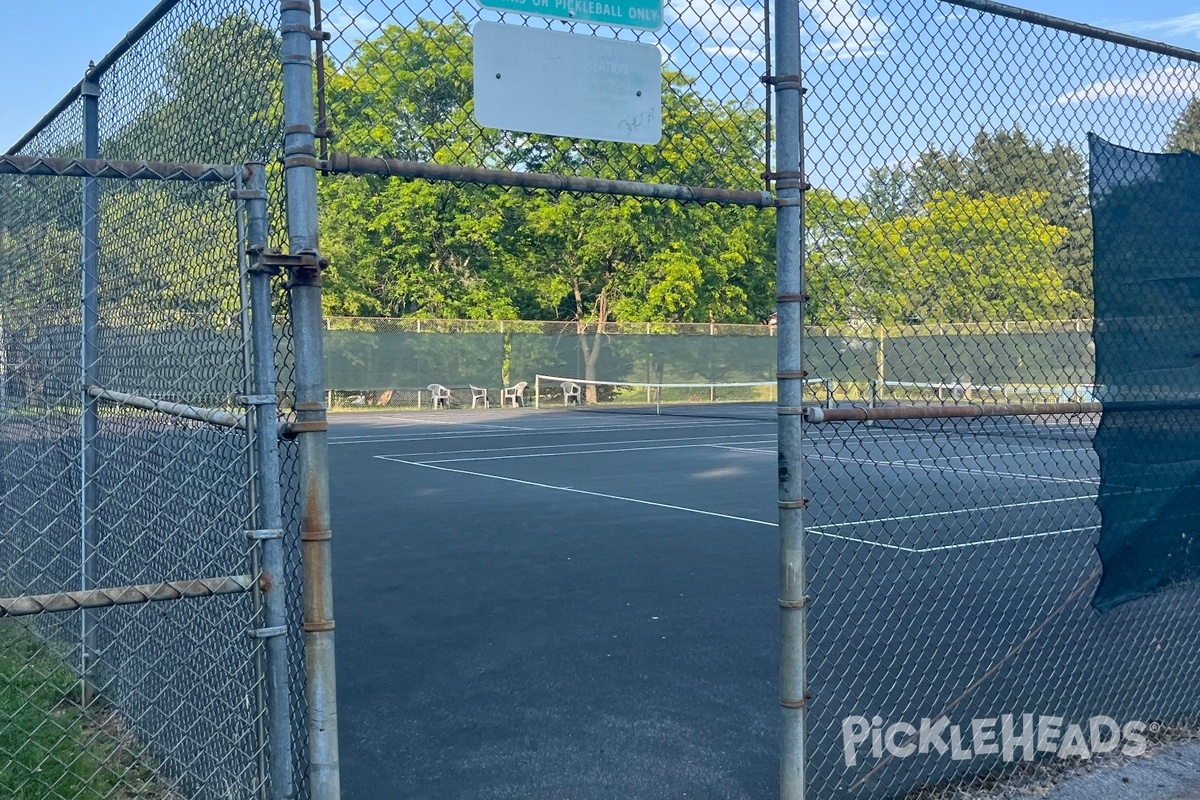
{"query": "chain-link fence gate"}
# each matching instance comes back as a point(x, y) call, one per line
point(161, 450)
point(952, 518)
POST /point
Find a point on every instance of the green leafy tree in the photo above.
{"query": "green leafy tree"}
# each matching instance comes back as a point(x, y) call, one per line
point(410, 248)
point(1001, 163)
point(218, 97)
point(967, 259)
point(1185, 133)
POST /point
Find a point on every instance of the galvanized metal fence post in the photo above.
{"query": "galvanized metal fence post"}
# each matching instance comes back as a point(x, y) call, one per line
point(268, 487)
point(300, 172)
point(789, 237)
point(88, 358)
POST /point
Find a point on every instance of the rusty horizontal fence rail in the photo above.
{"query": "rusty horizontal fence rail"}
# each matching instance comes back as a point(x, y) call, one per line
point(123, 170)
point(213, 416)
point(816, 414)
point(124, 595)
point(342, 163)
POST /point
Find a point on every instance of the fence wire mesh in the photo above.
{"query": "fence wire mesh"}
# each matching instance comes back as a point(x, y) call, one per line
point(952, 561)
point(948, 261)
point(163, 699)
point(398, 84)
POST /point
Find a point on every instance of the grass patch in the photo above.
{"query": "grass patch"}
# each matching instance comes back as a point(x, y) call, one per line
point(49, 747)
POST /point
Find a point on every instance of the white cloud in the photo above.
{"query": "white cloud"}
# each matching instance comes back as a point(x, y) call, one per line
point(731, 51)
point(734, 30)
point(846, 29)
point(1154, 86)
point(351, 18)
point(1184, 25)
point(722, 24)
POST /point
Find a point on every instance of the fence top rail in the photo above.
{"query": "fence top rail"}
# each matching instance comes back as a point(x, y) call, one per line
point(1077, 28)
point(124, 170)
point(94, 71)
point(164, 7)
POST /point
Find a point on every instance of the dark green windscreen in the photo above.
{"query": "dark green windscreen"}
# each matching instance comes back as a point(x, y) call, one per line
point(1146, 216)
point(362, 360)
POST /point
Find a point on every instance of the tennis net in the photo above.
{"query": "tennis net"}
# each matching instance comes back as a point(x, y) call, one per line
point(743, 400)
point(996, 399)
point(881, 392)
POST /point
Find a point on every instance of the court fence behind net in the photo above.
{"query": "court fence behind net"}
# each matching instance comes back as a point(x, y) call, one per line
point(391, 362)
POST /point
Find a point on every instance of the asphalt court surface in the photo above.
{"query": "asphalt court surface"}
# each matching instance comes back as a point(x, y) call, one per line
point(550, 604)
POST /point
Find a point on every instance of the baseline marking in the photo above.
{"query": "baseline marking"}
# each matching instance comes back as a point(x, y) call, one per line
point(571, 453)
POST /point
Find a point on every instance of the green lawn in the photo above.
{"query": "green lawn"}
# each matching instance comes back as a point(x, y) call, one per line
point(50, 749)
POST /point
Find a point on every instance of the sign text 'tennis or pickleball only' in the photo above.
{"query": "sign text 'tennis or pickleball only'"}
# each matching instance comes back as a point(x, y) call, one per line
point(646, 14)
point(567, 84)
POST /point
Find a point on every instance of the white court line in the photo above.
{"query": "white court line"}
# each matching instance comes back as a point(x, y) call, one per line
point(757, 450)
point(999, 540)
point(569, 452)
point(958, 470)
point(999, 455)
point(566, 453)
point(582, 491)
point(814, 530)
point(460, 423)
point(573, 444)
point(951, 512)
point(551, 431)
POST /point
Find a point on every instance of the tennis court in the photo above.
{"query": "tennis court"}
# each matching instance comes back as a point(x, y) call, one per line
point(570, 603)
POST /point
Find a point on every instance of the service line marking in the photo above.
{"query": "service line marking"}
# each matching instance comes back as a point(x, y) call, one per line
point(958, 470)
point(705, 439)
point(817, 530)
point(555, 431)
point(954, 511)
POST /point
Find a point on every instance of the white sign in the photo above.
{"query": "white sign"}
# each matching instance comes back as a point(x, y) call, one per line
point(566, 84)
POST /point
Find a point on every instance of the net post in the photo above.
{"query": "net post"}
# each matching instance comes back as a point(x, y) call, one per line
point(89, 358)
point(537, 391)
point(300, 179)
point(789, 281)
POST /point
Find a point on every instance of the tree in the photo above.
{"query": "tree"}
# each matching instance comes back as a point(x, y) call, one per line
point(1001, 163)
point(218, 100)
point(968, 259)
point(402, 247)
point(1185, 133)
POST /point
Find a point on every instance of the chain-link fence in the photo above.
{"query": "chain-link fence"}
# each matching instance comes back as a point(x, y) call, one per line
point(936, 617)
point(390, 362)
point(953, 559)
point(146, 372)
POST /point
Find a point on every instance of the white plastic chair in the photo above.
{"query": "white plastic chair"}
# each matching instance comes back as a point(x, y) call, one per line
point(516, 393)
point(478, 394)
point(440, 395)
point(571, 391)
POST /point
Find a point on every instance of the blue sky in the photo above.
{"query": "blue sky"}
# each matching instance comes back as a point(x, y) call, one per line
point(51, 42)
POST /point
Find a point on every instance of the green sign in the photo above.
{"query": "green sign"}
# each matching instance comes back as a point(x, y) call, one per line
point(647, 14)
